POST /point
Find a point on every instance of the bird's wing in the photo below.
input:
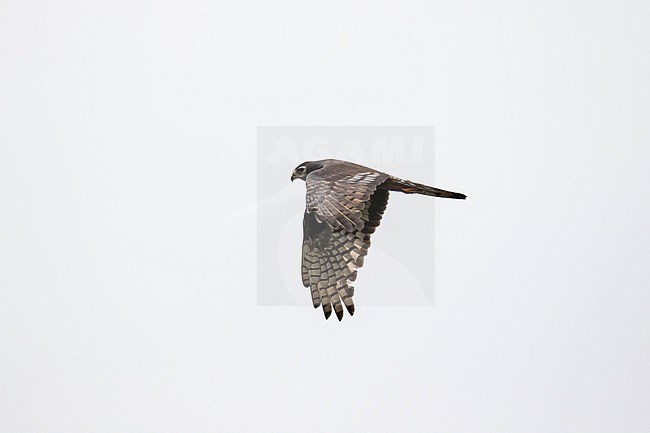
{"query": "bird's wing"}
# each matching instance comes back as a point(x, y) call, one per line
point(331, 256)
point(338, 193)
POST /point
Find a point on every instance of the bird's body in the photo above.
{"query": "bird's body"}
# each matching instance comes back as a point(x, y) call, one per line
point(345, 203)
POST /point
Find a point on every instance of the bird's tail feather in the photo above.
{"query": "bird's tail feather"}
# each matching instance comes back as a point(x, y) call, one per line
point(408, 187)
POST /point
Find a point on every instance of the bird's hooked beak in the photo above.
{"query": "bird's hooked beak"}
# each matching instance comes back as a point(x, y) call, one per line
point(293, 177)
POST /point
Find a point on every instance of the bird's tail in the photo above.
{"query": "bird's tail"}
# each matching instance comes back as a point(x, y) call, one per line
point(408, 187)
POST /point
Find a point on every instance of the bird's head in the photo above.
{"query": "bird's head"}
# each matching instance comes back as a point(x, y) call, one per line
point(305, 168)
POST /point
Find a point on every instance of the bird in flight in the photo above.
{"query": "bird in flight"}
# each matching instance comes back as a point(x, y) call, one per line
point(345, 203)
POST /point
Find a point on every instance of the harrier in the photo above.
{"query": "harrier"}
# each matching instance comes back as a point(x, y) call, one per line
point(345, 203)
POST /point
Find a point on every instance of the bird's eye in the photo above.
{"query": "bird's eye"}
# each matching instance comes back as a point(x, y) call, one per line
point(301, 169)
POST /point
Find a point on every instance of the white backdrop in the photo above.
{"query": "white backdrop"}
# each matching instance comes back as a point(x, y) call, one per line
point(128, 296)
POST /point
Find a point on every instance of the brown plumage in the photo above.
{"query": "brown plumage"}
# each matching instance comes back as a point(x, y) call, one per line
point(345, 203)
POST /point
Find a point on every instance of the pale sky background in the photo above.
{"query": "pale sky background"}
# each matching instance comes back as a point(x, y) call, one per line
point(128, 294)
